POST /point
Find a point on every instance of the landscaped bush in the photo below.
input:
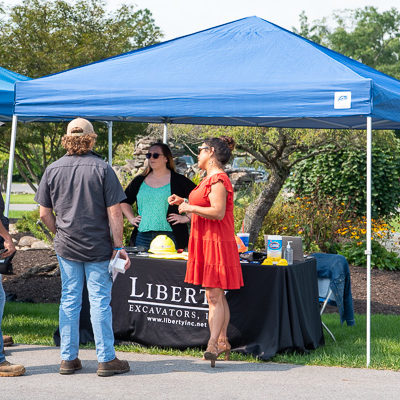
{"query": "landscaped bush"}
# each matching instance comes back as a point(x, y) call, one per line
point(342, 176)
point(30, 222)
point(316, 219)
point(324, 227)
point(381, 258)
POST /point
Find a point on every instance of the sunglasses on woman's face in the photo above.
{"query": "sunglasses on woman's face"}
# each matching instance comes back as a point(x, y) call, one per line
point(200, 148)
point(155, 155)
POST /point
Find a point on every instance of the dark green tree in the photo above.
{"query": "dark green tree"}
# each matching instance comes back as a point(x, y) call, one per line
point(373, 38)
point(363, 34)
point(42, 37)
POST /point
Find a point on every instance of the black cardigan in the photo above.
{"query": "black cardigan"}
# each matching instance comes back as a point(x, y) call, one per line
point(181, 186)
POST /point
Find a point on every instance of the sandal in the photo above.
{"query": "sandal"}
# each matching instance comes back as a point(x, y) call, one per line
point(224, 347)
point(211, 352)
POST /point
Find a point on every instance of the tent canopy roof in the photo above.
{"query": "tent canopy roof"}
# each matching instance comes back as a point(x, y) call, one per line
point(7, 81)
point(246, 72)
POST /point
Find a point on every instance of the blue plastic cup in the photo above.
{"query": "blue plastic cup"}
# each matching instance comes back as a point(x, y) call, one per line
point(244, 237)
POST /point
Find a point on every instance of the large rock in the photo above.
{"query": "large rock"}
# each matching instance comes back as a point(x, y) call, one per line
point(27, 241)
point(41, 245)
point(391, 242)
point(12, 229)
point(24, 248)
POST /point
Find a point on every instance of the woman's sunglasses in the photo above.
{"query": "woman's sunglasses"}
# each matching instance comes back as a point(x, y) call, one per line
point(200, 148)
point(155, 155)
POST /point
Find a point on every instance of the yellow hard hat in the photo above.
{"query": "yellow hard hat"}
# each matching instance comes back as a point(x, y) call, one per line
point(162, 244)
point(267, 261)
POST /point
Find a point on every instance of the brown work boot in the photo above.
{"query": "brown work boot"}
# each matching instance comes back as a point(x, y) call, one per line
point(113, 367)
point(69, 367)
point(8, 341)
point(8, 369)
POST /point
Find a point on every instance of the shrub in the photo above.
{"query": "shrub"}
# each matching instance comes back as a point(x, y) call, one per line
point(30, 222)
point(316, 219)
point(342, 176)
point(381, 258)
point(323, 226)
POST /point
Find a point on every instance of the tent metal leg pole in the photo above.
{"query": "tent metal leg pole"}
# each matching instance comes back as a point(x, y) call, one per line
point(165, 135)
point(368, 251)
point(11, 163)
point(110, 132)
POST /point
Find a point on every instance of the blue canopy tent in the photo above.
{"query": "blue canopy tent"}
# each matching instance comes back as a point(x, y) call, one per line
point(7, 85)
point(7, 81)
point(248, 72)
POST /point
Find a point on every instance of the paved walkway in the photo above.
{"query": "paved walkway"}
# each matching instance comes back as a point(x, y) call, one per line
point(23, 207)
point(21, 188)
point(172, 377)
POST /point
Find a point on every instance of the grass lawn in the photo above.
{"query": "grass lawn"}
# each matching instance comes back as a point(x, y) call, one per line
point(35, 323)
point(24, 198)
point(16, 213)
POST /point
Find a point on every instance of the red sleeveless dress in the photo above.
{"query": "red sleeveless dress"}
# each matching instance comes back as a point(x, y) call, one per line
point(213, 253)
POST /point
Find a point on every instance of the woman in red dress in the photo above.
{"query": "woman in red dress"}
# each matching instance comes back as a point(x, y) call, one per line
point(213, 255)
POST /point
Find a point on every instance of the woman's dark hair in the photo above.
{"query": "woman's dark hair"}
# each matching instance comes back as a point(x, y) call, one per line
point(223, 147)
point(166, 151)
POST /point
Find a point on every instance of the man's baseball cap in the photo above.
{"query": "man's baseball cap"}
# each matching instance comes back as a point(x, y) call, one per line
point(79, 127)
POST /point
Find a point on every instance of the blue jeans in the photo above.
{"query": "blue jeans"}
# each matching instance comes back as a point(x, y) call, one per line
point(99, 285)
point(2, 302)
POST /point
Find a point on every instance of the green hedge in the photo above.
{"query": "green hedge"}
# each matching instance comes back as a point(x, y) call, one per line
point(342, 175)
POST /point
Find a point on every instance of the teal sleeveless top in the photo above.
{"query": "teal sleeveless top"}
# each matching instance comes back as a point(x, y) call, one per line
point(153, 207)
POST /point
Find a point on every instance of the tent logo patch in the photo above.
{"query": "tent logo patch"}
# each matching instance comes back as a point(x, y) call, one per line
point(342, 100)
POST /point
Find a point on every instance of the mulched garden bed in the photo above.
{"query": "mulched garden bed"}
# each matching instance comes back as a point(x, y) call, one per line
point(45, 287)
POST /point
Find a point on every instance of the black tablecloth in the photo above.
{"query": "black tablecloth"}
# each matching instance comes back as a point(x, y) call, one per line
point(277, 309)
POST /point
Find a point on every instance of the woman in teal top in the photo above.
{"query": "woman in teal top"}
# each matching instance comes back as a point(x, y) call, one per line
point(150, 191)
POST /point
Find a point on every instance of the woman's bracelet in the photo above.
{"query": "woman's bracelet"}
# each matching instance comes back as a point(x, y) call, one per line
point(117, 248)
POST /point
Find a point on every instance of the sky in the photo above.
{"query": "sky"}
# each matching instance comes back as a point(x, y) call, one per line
point(181, 17)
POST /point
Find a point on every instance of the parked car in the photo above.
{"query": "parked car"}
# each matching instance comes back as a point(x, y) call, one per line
point(188, 160)
point(184, 165)
point(241, 163)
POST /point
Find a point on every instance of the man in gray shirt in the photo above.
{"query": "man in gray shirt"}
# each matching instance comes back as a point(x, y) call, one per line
point(84, 193)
